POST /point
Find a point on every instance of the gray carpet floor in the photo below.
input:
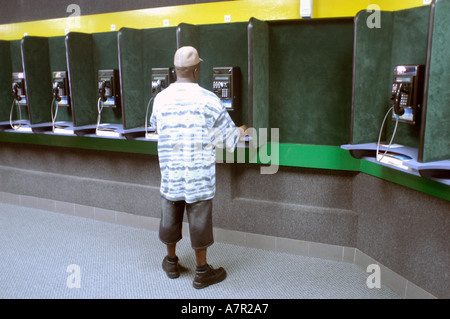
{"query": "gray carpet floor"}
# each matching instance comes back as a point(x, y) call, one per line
point(43, 253)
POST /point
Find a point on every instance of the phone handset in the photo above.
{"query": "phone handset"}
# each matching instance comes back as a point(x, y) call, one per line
point(162, 78)
point(396, 99)
point(55, 91)
point(101, 98)
point(102, 90)
point(156, 87)
point(17, 90)
point(16, 86)
point(56, 98)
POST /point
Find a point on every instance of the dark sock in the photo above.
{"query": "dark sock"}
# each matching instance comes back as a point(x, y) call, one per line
point(172, 259)
point(202, 268)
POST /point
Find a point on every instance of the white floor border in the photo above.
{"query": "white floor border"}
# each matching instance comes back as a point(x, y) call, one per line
point(389, 278)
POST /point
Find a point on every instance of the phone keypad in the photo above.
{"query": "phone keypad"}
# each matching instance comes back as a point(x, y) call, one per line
point(404, 100)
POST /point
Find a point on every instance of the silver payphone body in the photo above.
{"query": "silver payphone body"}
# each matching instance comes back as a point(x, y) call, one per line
point(407, 92)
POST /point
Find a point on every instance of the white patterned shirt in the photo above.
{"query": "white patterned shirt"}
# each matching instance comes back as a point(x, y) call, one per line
point(190, 122)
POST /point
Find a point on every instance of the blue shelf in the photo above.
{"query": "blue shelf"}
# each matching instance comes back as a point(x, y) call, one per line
point(438, 171)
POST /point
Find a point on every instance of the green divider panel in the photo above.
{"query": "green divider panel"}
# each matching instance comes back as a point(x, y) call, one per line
point(132, 77)
point(188, 35)
point(106, 56)
point(140, 51)
point(57, 51)
point(82, 77)
point(409, 41)
point(259, 70)
point(88, 53)
point(35, 54)
point(6, 97)
point(224, 44)
point(58, 62)
point(17, 66)
point(159, 47)
point(372, 76)
point(310, 76)
point(436, 143)
point(401, 39)
point(16, 56)
point(409, 46)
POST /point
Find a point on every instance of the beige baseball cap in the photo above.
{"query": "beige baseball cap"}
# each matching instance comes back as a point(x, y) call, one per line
point(186, 56)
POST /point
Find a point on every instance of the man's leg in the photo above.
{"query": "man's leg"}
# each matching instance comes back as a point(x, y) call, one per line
point(200, 227)
point(170, 233)
point(171, 250)
point(200, 257)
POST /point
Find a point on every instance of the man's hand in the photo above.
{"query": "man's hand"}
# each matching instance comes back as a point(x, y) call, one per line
point(243, 130)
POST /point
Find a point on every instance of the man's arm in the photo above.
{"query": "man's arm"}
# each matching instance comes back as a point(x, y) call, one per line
point(229, 132)
point(153, 117)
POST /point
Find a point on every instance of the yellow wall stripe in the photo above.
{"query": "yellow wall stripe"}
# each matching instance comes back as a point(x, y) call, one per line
point(206, 13)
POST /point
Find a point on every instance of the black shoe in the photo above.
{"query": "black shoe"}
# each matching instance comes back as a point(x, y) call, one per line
point(172, 268)
point(209, 276)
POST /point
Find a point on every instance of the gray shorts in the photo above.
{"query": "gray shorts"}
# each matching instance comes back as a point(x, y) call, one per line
point(199, 216)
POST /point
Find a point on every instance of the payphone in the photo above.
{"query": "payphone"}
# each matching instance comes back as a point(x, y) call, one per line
point(407, 92)
point(406, 101)
point(108, 94)
point(18, 88)
point(226, 85)
point(109, 87)
point(60, 88)
point(61, 98)
point(162, 78)
point(20, 98)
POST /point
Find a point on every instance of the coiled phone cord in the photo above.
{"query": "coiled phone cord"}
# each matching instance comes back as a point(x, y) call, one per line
point(56, 112)
point(15, 127)
point(99, 109)
point(393, 134)
point(146, 115)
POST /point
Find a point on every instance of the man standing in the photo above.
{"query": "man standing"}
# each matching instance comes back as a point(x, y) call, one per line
point(190, 122)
